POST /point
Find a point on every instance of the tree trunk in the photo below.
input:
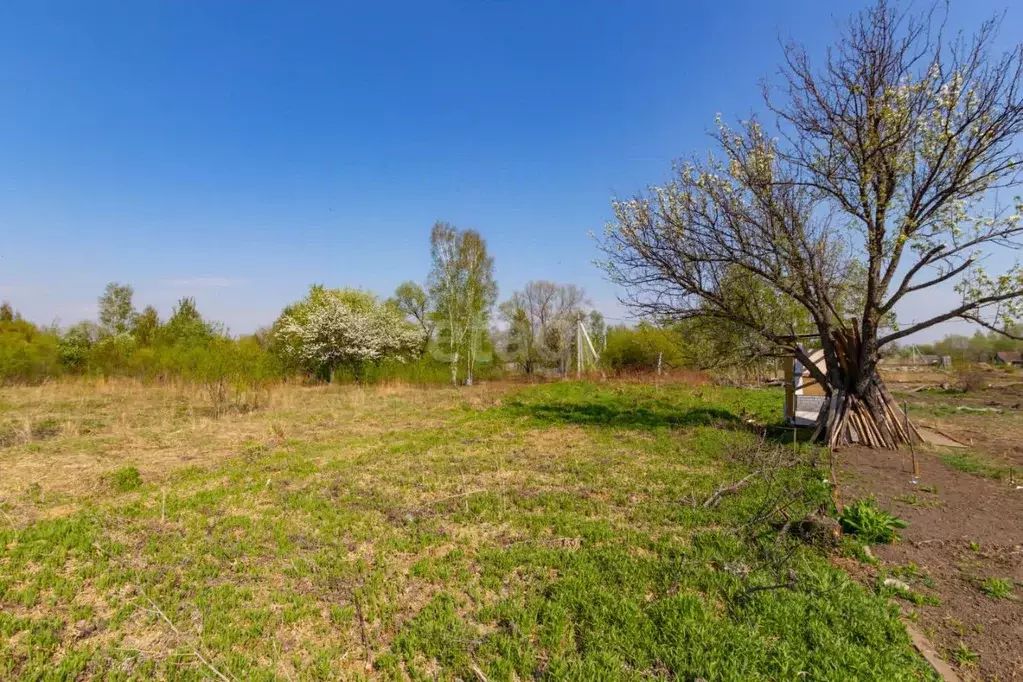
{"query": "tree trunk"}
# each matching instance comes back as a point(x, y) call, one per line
point(454, 369)
point(859, 409)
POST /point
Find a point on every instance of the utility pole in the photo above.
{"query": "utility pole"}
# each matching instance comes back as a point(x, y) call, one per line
point(579, 349)
point(582, 335)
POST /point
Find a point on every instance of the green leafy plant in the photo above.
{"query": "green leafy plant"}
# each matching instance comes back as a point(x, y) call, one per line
point(965, 656)
point(997, 588)
point(126, 479)
point(865, 520)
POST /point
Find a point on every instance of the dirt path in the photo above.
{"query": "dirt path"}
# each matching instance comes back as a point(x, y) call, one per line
point(963, 530)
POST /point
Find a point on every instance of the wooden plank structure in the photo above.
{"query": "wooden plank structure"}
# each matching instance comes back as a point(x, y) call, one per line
point(874, 420)
point(800, 385)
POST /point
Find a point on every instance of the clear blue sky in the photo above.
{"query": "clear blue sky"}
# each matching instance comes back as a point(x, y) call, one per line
point(239, 151)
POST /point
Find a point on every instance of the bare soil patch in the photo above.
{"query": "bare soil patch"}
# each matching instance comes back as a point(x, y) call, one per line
point(988, 422)
point(963, 530)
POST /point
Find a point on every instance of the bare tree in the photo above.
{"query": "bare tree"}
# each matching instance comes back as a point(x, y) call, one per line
point(541, 319)
point(881, 182)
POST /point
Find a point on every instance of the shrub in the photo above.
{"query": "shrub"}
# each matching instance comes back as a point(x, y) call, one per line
point(871, 524)
point(186, 347)
point(27, 354)
point(111, 355)
point(75, 345)
point(344, 329)
point(971, 380)
point(637, 349)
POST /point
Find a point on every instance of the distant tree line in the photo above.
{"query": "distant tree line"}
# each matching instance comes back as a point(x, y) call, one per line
point(450, 329)
point(979, 347)
point(126, 342)
point(442, 331)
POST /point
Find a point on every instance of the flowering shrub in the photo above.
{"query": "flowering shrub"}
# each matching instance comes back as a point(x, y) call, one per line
point(331, 329)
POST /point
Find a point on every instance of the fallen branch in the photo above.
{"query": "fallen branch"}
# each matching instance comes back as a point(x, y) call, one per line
point(137, 584)
point(195, 650)
point(362, 627)
point(715, 498)
point(764, 588)
point(446, 499)
point(478, 672)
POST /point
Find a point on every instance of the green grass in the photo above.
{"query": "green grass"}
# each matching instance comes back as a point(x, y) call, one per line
point(972, 463)
point(126, 479)
point(548, 534)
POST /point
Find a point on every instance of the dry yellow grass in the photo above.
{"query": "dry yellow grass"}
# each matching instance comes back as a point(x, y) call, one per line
point(61, 438)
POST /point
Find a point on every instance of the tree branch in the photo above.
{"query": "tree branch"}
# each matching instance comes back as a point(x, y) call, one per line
point(960, 312)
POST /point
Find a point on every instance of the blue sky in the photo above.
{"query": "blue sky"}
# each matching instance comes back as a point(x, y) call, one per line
point(237, 151)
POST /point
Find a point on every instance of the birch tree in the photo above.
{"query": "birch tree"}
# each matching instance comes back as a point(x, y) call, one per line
point(463, 289)
point(116, 311)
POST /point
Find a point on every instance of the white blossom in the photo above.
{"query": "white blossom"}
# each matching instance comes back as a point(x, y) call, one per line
point(337, 332)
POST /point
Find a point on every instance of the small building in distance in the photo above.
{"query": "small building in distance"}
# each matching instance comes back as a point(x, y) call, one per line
point(917, 361)
point(1009, 357)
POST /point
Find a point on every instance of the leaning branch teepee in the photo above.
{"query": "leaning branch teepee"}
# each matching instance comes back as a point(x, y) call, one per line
point(859, 408)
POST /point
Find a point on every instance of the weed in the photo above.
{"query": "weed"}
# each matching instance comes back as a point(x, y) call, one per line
point(914, 500)
point(46, 428)
point(34, 492)
point(276, 429)
point(871, 524)
point(907, 594)
point(955, 625)
point(10, 435)
point(852, 547)
point(965, 656)
point(997, 588)
point(913, 573)
point(971, 380)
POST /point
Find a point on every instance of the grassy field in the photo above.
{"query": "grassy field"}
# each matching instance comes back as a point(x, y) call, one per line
point(497, 533)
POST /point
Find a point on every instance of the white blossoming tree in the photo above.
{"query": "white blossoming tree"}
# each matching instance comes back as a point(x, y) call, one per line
point(334, 328)
point(884, 171)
